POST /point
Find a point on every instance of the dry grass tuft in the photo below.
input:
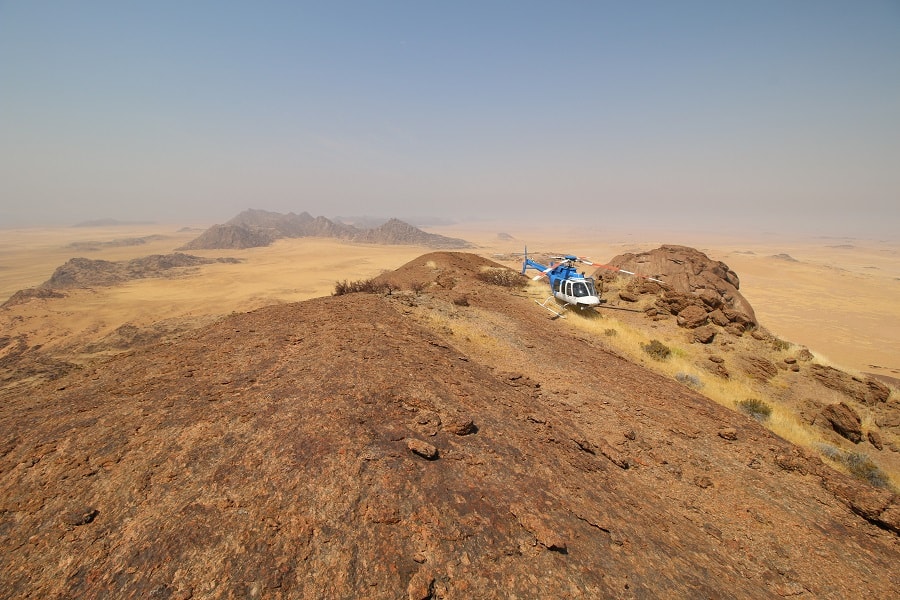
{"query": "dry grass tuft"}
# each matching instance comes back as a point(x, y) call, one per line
point(755, 408)
point(501, 276)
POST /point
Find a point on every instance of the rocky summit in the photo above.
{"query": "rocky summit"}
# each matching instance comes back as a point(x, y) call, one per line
point(442, 439)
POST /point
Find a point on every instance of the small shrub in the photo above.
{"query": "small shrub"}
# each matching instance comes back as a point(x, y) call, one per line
point(858, 464)
point(755, 408)
point(500, 276)
point(657, 350)
point(780, 344)
point(689, 380)
point(416, 286)
point(862, 467)
point(611, 332)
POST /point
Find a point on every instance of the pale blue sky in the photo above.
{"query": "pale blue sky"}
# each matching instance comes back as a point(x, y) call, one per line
point(777, 116)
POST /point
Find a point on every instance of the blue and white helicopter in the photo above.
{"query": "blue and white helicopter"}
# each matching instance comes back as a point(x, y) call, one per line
point(567, 285)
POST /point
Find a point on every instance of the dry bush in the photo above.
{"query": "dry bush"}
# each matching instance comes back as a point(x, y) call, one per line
point(755, 408)
point(857, 464)
point(367, 286)
point(689, 380)
point(781, 345)
point(500, 276)
point(657, 350)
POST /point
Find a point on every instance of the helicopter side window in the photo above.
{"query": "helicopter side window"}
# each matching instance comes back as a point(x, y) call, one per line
point(556, 285)
point(580, 290)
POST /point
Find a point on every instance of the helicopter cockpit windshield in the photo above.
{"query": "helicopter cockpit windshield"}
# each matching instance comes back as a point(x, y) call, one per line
point(581, 290)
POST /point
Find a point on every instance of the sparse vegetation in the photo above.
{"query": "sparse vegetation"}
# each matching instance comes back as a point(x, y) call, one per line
point(657, 350)
point(857, 464)
point(633, 342)
point(689, 380)
point(780, 344)
point(367, 286)
point(500, 276)
point(755, 408)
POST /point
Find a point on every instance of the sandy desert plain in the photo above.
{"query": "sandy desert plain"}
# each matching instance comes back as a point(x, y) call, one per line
point(837, 296)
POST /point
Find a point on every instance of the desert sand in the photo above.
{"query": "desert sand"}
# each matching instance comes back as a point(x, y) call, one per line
point(835, 296)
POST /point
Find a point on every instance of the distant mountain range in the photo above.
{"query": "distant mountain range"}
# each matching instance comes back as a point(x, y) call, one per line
point(254, 228)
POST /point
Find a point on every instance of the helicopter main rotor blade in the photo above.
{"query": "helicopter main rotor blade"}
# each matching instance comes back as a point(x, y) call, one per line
point(618, 270)
point(543, 273)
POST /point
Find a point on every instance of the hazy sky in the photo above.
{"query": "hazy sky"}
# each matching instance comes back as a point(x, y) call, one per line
point(758, 115)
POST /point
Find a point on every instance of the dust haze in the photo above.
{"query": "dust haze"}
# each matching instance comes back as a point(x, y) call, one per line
point(835, 295)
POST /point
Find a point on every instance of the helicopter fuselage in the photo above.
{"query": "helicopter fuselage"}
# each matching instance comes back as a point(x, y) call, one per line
point(566, 283)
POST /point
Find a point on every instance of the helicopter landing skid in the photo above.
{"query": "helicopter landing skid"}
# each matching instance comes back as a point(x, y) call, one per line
point(544, 305)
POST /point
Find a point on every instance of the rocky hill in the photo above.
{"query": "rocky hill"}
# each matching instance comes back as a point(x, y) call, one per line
point(442, 440)
point(86, 272)
point(254, 228)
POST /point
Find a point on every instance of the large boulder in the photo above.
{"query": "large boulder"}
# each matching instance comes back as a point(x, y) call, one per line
point(691, 278)
point(844, 420)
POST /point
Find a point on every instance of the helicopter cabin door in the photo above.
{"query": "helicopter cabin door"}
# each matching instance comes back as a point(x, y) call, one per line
point(567, 291)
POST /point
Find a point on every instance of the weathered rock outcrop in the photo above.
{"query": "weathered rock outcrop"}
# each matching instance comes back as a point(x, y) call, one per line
point(26, 295)
point(844, 420)
point(86, 272)
point(697, 289)
point(866, 390)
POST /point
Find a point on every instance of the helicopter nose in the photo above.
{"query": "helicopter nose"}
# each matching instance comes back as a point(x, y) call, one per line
point(589, 301)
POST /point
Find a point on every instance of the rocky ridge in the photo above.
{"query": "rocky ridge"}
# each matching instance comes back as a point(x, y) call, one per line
point(414, 445)
point(253, 228)
point(86, 272)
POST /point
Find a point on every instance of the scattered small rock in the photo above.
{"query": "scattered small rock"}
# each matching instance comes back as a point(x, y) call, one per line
point(459, 425)
point(729, 433)
point(705, 334)
point(422, 448)
point(875, 439)
point(691, 317)
point(81, 516)
point(703, 482)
